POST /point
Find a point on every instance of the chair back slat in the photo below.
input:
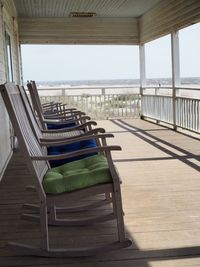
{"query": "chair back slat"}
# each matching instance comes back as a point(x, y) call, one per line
point(35, 124)
point(27, 140)
point(36, 103)
point(36, 95)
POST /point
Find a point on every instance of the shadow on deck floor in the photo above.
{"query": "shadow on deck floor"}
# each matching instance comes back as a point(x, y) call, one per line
point(161, 184)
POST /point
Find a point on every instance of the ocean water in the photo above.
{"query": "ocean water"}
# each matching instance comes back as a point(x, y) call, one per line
point(128, 86)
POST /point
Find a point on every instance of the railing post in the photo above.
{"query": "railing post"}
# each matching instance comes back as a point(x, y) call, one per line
point(63, 92)
point(103, 91)
point(175, 73)
point(142, 74)
point(63, 95)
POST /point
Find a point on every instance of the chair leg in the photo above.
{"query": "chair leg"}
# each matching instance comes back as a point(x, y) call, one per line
point(44, 227)
point(45, 251)
point(117, 207)
point(52, 213)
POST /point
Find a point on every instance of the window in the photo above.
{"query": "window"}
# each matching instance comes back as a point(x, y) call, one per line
point(8, 57)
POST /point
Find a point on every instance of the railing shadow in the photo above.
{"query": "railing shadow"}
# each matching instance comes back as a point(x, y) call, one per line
point(157, 143)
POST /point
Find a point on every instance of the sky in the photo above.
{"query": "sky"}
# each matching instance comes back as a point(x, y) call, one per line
point(79, 62)
point(101, 62)
point(190, 51)
point(158, 54)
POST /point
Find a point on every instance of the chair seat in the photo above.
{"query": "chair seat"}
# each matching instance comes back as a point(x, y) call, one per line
point(64, 134)
point(57, 150)
point(77, 175)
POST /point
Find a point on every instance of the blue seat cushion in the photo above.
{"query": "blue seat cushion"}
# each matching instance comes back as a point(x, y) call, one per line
point(57, 150)
point(60, 126)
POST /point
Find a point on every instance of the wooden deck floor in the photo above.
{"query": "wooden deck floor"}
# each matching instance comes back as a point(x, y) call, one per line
point(161, 198)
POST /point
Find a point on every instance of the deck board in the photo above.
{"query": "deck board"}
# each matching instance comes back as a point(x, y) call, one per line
point(161, 185)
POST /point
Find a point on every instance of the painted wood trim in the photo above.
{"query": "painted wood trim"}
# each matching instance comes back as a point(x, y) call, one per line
point(79, 31)
point(142, 66)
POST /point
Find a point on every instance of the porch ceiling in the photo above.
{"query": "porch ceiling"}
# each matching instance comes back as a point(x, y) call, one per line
point(127, 22)
point(103, 8)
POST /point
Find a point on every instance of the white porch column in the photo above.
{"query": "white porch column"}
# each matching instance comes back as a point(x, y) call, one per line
point(20, 64)
point(142, 74)
point(176, 81)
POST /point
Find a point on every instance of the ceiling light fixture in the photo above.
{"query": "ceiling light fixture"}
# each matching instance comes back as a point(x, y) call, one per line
point(82, 14)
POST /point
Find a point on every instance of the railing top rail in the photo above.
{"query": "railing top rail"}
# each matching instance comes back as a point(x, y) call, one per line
point(170, 87)
point(88, 88)
point(168, 96)
point(188, 88)
point(116, 87)
point(157, 87)
point(188, 98)
point(158, 95)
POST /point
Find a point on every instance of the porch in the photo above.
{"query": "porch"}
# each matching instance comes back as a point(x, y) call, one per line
point(160, 172)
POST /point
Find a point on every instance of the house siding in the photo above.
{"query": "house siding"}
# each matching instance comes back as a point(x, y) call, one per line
point(79, 31)
point(8, 21)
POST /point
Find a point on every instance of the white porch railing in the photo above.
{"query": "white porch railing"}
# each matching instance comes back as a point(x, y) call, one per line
point(97, 102)
point(181, 111)
point(188, 115)
point(125, 102)
point(158, 108)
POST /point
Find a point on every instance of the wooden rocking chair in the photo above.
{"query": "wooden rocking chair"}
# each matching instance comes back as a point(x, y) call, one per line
point(69, 117)
point(107, 181)
point(55, 138)
point(49, 107)
point(56, 134)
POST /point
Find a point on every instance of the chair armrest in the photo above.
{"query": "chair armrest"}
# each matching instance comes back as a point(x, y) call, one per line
point(67, 108)
point(94, 131)
point(56, 105)
point(62, 114)
point(48, 104)
point(64, 120)
point(47, 107)
point(77, 153)
point(64, 141)
point(57, 138)
point(77, 127)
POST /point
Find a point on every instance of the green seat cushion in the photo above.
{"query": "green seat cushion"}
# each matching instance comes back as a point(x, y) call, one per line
point(77, 175)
